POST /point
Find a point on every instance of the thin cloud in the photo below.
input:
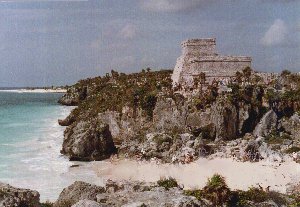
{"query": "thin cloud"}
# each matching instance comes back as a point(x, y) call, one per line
point(276, 34)
point(129, 31)
point(172, 5)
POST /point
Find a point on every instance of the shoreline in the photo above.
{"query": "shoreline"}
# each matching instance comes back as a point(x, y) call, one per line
point(45, 161)
point(238, 175)
point(33, 90)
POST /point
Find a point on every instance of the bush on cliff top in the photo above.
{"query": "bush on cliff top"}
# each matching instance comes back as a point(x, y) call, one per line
point(137, 90)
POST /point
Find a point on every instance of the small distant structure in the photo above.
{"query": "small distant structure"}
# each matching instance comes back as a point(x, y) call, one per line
point(200, 56)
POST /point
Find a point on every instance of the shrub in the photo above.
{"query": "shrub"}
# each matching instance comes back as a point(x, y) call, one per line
point(47, 204)
point(161, 138)
point(292, 149)
point(167, 183)
point(196, 193)
point(216, 190)
point(258, 195)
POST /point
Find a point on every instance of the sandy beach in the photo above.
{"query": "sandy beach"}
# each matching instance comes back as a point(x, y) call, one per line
point(35, 91)
point(239, 175)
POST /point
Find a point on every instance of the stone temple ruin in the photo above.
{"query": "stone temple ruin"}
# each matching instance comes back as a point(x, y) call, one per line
point(200, 56)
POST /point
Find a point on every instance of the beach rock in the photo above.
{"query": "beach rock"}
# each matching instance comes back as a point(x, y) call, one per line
point(293, 188)
point(87, 203)
point(87, 141)
point(124, 193)
point(11, 197)
point(266, 153)
point(76, 192)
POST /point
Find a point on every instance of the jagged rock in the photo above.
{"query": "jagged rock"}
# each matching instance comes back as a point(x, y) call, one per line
point(292, 125)
point(173, 114)
point(138, 193)
point(268, 154)
point(76, 192)
point(169, 114)
point(87, 203)
point(11, 197)
point(74, 96)
point(224, 117)
point(87, 141)
point(68, 120)
point(267, 123)
point(125, 193)
point(293, 188)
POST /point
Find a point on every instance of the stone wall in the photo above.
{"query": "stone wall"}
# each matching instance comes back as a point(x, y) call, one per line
point(199, 56)
point(199, 47)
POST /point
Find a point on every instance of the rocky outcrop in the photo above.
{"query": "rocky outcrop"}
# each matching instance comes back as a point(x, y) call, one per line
point(70, 119)
point(182, 148)
point(87, 141)
point(11, 197)
point(76, 192)
point(266, 124)
point(291, 125)
point(74, 95)
point(170, 113)
point(293, 188)
point(87, 203)
point(125, 193)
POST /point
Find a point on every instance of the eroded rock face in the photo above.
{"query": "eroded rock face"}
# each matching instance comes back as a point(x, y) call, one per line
point(87, 141)
point(169, 114)
point(292, 125)
point(76, 192)
point(11, 197)
point(223, 119)
point(266, 124)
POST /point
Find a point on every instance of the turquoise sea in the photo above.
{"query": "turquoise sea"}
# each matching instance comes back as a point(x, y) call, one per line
point(30, 143)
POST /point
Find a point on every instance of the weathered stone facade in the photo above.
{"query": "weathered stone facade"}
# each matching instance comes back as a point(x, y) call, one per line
point(200, 56)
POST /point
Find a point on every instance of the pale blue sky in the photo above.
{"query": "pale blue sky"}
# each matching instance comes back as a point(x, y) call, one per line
point(59, 42)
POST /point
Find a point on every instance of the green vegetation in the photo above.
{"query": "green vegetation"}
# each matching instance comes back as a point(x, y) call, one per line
point(161, 138)
point(217, 192)
point(167, 183)
point(257, 195)
point(273, 138)
point(113, 92)
point(292, 149)
point(47, 204)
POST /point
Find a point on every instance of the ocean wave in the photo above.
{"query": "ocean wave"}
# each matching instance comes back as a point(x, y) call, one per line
point(30, 163)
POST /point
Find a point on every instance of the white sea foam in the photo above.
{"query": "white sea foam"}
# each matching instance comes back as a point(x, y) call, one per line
point(37, 162)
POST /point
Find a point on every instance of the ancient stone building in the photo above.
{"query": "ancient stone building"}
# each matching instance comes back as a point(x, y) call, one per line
point(200, 56)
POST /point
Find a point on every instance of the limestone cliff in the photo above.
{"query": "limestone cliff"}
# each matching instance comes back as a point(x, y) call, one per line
point(107, 120)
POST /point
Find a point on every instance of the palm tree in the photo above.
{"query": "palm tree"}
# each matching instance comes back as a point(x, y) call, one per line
point(239, 77)
point(247, 73)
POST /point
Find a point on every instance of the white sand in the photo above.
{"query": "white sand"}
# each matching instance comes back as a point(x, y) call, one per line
point(239, 175)
point(35, 91)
